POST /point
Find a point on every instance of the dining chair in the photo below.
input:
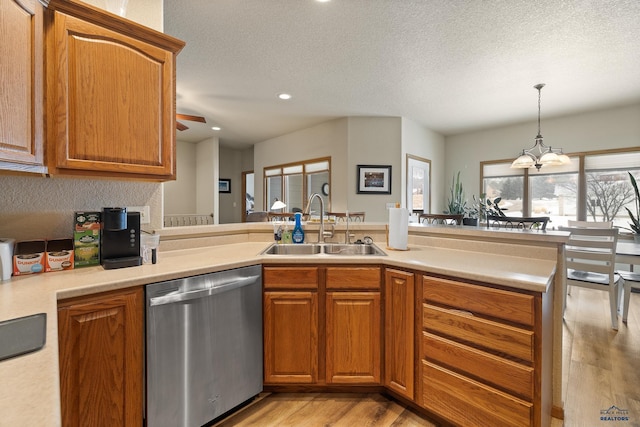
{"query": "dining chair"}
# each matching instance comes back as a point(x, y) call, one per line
point(591, 224)
point(590, 256)
point(445, 219)
point(532, 223)
point(353, 216)
point(628, 280)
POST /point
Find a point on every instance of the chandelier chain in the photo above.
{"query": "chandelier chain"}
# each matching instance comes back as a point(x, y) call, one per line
point(540, 154)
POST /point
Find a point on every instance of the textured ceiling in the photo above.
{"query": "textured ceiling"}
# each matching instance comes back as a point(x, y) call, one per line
point(451, 65)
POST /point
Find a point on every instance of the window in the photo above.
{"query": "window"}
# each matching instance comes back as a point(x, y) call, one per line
point(609, 188)
point(502, 181)
point(594, 187)
point(554, 193)
point(293, 184)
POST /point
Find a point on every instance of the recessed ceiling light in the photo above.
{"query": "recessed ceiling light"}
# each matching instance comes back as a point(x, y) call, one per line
point(323, 1)
point(216, 127)
point(284, 96)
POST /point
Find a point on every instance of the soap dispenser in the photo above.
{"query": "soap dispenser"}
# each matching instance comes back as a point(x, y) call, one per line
point(286, 235)
point(298, 232)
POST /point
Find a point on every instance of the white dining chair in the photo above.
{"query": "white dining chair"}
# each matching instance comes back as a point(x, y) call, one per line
point(591, 224)
point(590, 257)
point(628, 280)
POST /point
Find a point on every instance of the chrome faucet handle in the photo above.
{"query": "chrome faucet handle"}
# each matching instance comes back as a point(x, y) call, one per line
point(348, 236)
point(328, 234)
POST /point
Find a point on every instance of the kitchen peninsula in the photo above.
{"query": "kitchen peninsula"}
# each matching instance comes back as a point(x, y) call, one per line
point(526, 263)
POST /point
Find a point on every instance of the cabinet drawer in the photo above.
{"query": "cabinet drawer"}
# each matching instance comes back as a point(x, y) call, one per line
point(290, 277)
point(504, 374)
point(505, 305)
point(485, 333)
point(353, 278)
point(469, 403)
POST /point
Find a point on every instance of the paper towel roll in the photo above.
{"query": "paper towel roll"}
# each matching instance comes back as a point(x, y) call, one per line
point(398, 228)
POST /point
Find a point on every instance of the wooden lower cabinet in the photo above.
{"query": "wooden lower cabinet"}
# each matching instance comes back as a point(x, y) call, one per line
point(466, 402)
point(291, 337)
point(101, 359)
point(481, 354)
point(322, 325)
point(290, 324)
point(353, 337)
point(399, 332)
point(470, 353)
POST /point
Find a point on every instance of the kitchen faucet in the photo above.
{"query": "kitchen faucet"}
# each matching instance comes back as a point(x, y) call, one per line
point(322, 234)
point(347, 235)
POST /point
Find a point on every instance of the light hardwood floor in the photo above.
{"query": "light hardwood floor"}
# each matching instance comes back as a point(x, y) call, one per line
point(326, 410)
point(601, 368)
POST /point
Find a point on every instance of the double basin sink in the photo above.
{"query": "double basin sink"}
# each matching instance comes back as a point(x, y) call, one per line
point(354, 249)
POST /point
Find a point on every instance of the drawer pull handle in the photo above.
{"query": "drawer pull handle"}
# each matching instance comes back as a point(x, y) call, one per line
point(461, 312)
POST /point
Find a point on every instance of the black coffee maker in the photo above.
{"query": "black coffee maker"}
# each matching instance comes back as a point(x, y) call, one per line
point(120, 240)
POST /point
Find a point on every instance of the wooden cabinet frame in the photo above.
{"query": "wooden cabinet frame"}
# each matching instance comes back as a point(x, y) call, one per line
point(110, 95)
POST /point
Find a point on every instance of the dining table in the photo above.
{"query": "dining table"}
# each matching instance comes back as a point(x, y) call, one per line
point(628, 252)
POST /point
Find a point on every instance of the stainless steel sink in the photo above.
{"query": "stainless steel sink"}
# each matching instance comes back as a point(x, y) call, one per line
point(352, 249)
point(320, 249)
point(293, 249)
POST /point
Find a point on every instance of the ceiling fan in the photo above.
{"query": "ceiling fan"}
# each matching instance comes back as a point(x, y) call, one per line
point(181, 126)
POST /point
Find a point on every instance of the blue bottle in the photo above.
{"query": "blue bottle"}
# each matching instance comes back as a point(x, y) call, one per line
point(298, 232)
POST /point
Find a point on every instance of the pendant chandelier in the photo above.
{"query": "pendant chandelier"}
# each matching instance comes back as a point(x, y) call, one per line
point(540, 155)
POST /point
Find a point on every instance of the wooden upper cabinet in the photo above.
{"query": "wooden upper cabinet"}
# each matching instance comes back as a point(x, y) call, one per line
point(21, 86)
point(110, 95)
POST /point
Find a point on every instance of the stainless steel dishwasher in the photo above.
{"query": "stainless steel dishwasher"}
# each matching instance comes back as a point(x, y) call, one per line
point(204, 346)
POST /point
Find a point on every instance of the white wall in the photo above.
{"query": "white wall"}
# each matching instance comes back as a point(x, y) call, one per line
point(422, 142)
point(145, 12)
point(207, 175)
point(598, 130)
point(180, 195)
point(327, 139)
point(231, 168)
point(354, 141)
point(374, 141)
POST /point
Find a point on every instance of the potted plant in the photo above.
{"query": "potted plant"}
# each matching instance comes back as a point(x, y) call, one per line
point(635, 218)
point(456, 204)
point(483, 207)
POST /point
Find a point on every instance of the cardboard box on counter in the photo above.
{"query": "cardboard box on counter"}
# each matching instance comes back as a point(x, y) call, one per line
point(29, 257)
point(86, 239)
point(59, 255)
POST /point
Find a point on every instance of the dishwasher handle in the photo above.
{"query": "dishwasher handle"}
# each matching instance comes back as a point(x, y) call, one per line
point(201, 293)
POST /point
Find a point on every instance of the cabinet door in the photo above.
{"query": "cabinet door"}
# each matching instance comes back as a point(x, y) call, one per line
point(21, 85)
point(101, 352)
point(111, 101)
point(399, 332)
point(353, 337)
point(290, 337)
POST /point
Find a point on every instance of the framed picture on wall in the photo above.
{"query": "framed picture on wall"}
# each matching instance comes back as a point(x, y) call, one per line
point(374, 179)
point(224, 185)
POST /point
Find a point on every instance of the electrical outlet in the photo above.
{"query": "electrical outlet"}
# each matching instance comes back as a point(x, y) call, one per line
point(145, 213)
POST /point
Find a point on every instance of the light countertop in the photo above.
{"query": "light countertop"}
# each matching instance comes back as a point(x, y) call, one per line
point(29, 384)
